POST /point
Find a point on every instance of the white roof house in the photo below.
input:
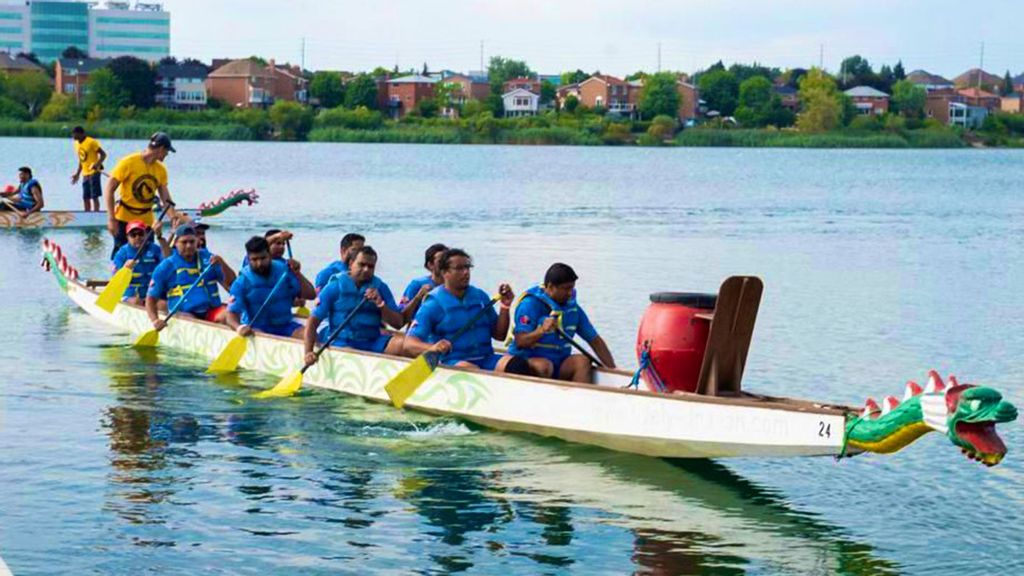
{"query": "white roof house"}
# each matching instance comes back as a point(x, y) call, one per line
point(520, 102)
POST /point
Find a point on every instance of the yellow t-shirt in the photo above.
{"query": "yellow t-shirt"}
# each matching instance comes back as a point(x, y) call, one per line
point(139, 186)
point(88, 152)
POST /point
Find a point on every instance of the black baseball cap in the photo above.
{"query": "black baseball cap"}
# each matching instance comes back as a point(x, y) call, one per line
point(161, 140)
point(185, 230)
point(202, 226)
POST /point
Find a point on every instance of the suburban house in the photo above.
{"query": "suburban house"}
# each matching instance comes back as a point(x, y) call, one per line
point(1012, 103)
point(951, 108)
point(868, 100)
point(406, 92)
point(928, 81)
point(520, 102)
point(181, 86)
point(71, 74)
point(689, 101)
point(18, 65)
point(528, 84)
point(966, 116)
point(467, 88)
point(980, 98)
point(1018, 83)
point(249, 84)
point(789, 96)
point(975, 77)
point(564, 92)
point(608, 93)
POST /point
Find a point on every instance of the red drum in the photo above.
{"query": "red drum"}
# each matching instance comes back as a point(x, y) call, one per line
point(674, 338)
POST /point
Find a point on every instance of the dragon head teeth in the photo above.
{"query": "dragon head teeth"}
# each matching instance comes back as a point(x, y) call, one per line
point(952, 382)
point(870, 409)
point(889, 403)
point(934, 382)
point(912, 389)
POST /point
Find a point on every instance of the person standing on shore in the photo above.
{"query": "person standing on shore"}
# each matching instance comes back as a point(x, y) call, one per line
point(138, 179)
point(90, 165)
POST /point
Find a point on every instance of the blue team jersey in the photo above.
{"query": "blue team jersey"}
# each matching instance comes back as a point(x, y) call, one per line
point(144, 266)
point(173, 277)
point(212, 287)
point(324, 276)
point(250, 291)
point(338, 299)
point(533, 309)
point(441, 315)
point(414, 288)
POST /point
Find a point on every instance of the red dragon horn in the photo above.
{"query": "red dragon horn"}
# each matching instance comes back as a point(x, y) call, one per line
point(889, 404)
point(912, 389)
point(934, 382)
point(870, 409)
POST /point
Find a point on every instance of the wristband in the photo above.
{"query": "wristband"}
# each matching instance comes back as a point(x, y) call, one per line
point(381, 305)
point(505, 306)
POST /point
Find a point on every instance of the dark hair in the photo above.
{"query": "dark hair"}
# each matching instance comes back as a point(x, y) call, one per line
point(559, 274)
point(350, 239)
point(367, 250)
point(78, 130)
point(270, 233)
point(26, 170)
point(450, 253)
point(257, 245)
point(431, 252)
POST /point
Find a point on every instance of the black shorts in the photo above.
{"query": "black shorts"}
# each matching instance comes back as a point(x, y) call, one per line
point(120, 239)
point(91, 187)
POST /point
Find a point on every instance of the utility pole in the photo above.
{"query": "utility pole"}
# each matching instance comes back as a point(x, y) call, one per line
point(821, 56)
point(981, 64)
point(303, 58)
point(481, 55)
point(659, 56)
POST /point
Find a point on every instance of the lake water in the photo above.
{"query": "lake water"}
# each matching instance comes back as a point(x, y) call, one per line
point(878, 265)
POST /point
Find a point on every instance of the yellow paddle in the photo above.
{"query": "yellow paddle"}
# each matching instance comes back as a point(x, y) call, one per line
point(231, 355)
point(301, 311)
point(291, 383)
point(119, 282)
point(150, 338)
point(405, 383)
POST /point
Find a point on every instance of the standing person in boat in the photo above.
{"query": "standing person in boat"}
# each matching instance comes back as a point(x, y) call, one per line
point(255, 284)
point(175, 274)
point(137, 181)
point(358, 289)
point(418, 288)
point(451, 306)
point(542, 309)
point(141, 260)
point(27, 198)
point(350, 244)
point(90, 166)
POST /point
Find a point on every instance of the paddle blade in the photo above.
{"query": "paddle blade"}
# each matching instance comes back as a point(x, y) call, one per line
point(115, 289)
point(288, 385)
point(148, 339)
point(406, 382)
point(230, 356)
point(302, 312)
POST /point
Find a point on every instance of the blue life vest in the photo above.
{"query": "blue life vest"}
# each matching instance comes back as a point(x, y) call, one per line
point(25, 198)
point(250, 290)
point(442, 315)
point(536, 306)
point(324, 276)
point(414, 288)
point(212, 287)
point(173, 277)
point(338, 299)
point(143, 270)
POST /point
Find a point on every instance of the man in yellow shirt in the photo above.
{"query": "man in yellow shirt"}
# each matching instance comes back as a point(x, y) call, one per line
point(137, 180)
point(90, 165)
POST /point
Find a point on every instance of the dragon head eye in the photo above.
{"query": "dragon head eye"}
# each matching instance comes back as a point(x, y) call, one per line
point(974, 404)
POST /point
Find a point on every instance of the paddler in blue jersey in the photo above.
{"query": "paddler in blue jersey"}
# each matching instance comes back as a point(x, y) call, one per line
point(141, 260)
point(26, 198)
point(175, 274)
point(540, 311)
point(455, 304)
point(255, 286)
point(350, 244)
point(372, 302)
point(418, 288)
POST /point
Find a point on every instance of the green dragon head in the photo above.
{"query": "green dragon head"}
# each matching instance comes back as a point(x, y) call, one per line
point(973, 412)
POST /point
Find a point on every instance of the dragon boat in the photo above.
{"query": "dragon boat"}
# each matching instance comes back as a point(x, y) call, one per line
point(82, 219)
point(715, 420)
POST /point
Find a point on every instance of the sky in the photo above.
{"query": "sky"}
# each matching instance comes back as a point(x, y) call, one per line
point(615, 37)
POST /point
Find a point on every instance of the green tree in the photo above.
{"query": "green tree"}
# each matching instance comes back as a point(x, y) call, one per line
point(898, 72)
point(754, 101)
point(1007, 88)
point(822, 109)
point(742, 72)
point(30, 89)
point(13, 110)
point(792, 77)
point(327, 88)
point(500, 70)
point(74, 52)
point(662, 127)
point(908, 99)
point(720, 90)
point(291, 120)
point(573, 77)
point(103, 90)
point(60, 108)
point(886, 78)
point(856, 71)
point(547, 92)
point(427, 108)
point(849, 109)
point(138, 79)
point(616, 133)
point(255, 120)
point(361, 91)
point(571, 103)
point(660, 96)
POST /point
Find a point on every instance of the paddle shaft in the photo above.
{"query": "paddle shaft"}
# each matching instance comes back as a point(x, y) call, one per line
point(187, 292)
point(152, 230)
point(334, 334)
point(469, 324)
point(572, 342)
point(280, 282)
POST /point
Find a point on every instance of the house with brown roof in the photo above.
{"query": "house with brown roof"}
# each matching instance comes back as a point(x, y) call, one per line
point(406, 92)
point(564, 92)
point(929, 81)
point(868, 100)
point(521, 83)
point(249, 84)
point(1012, 103)
point(975, 77)
point(71, 75)
point(980, 98)
point(466, 88)
point(689, 100)
point(18, 65)
point(603, 92)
